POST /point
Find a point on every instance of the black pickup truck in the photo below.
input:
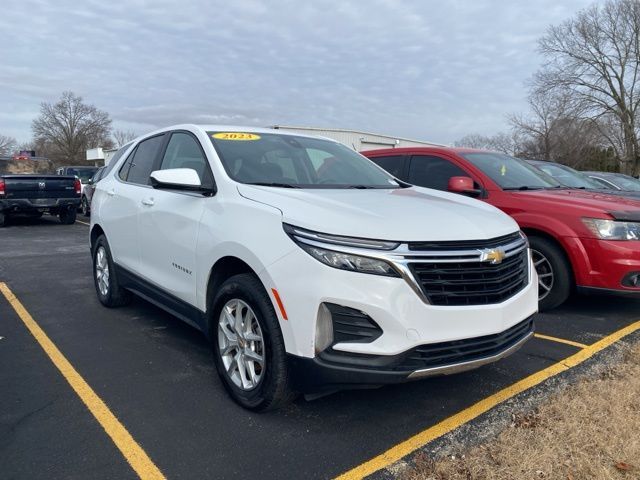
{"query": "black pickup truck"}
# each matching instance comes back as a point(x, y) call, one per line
point(34, 195)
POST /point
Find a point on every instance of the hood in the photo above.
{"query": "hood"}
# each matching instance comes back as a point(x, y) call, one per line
point(403, 214)
point(584, 201)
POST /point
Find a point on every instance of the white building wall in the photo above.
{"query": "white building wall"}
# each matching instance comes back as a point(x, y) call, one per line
point(359, 141)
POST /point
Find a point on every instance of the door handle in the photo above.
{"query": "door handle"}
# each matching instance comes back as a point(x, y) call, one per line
point(147, 201)
point(111, 192)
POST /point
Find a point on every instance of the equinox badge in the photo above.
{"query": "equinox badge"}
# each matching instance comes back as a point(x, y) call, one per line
point(493, 256)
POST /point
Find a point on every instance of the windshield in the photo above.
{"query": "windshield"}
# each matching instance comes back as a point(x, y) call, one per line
point(567, 176)
point(511, 173)
point(296, 162)
point(83, 173)
point(627, 183)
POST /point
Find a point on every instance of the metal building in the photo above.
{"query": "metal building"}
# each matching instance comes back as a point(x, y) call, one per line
point(359, 141)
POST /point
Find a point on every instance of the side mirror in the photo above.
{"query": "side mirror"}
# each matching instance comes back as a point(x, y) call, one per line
point(177, 179)
point(463, 185)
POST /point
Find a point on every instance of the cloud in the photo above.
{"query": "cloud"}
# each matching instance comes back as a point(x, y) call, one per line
point(423, 69)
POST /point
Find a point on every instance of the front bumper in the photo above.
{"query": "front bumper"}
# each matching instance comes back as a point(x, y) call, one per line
point(607, 264)
point(406, 320)
point(334, 371)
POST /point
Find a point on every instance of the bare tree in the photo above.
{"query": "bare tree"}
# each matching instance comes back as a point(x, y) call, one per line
point(122, 137)
point(69, 127)
point(509, 143)
point(595, 57)
point(7, 145)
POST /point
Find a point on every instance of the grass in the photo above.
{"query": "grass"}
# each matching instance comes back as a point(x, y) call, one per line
point(588, 431)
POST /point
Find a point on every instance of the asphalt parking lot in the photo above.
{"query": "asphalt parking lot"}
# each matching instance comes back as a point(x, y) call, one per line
point(156, 375)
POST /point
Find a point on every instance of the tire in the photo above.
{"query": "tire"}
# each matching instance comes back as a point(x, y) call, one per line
point(84, 207)
point(109, 291)
point(3, 219)
point(68, 216)
point(270, 387)
point(555, 279)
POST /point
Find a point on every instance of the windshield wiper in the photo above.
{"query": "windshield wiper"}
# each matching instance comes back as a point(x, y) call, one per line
point(361, 187)
point(523, 187)
point(274, 184)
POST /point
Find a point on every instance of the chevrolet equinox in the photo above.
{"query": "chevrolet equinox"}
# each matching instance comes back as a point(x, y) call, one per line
point(307, 266)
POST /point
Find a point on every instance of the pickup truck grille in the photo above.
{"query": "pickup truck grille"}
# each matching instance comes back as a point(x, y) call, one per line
point(452, 274)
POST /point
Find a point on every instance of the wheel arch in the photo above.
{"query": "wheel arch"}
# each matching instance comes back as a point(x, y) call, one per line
point(96, 231)
point(225, 268)
point(530, 231)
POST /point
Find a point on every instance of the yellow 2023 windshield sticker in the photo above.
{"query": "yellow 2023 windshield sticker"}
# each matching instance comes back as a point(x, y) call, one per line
point(235, 136)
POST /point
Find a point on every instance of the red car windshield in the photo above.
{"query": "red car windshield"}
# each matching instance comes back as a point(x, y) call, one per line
point(510, 173)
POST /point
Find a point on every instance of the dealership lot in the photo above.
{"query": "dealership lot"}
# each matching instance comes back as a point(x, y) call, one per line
point(156, 375)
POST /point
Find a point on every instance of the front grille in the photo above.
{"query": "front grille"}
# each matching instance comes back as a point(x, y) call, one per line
point(465, 244)
point(434, 355)
point(460, 273)
point(459, 351)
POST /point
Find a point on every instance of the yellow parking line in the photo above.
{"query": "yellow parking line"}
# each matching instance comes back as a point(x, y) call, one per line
point(449, 424)
point(84, 223)
point(134, 454)
point(561, 340)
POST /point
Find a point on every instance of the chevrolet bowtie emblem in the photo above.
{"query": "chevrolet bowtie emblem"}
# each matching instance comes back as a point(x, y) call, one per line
point(493, 256)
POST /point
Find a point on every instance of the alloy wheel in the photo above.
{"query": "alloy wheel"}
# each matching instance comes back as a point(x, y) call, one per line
point(241, 344)
point(102, 271)
point(545, 273)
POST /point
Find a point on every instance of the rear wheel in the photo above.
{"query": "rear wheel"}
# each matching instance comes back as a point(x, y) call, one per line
point(248, 345)
point(554, 272)
point(3, 219)
point(105, 279)
point(84, 206)
point(68, 216)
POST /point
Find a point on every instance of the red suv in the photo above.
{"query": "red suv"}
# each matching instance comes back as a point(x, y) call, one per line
point(578, 239)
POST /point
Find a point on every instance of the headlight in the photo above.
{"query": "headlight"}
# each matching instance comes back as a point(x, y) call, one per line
point(327, 249)
point(346, 261)
point(613, 229)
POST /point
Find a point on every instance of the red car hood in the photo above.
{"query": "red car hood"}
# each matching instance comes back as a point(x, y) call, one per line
point(586, 202)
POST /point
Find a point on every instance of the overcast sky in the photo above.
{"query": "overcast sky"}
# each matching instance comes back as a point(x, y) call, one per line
point(433, 70)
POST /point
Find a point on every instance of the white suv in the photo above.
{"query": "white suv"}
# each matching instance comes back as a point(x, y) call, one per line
point(308, 267)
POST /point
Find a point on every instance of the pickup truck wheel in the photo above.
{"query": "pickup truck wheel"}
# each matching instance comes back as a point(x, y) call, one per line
point(105, 279)
point(68, 216)
point(248, 345)
point(3, 219)
point(84, 206)
point(554, 272)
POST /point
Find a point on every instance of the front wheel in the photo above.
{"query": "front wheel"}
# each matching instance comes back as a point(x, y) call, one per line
point(248, 345)
point(3, 219)
point(554, 272)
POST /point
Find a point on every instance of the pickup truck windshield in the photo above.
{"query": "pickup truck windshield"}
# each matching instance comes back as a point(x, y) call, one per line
point(510, 173)
point(296, 162)
point(567, 176)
